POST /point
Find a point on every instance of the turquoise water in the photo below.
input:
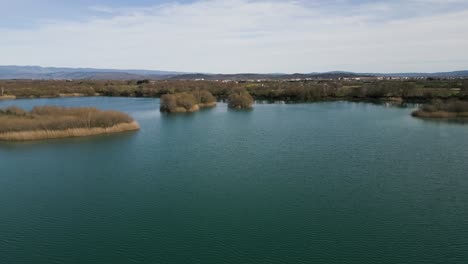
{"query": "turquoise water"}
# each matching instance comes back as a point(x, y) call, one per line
point(305, 183)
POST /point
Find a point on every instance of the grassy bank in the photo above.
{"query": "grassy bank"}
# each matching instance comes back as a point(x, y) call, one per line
point(443, 109)
point(48, 122)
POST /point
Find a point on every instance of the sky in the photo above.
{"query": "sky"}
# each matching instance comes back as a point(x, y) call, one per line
point(237, 36)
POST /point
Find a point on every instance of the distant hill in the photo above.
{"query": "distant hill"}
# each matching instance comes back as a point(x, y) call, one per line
point(254, 76)
point(453, 74)
point(49, 73)
point(37, 72)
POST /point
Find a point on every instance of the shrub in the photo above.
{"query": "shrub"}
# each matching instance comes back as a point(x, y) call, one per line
point(13, 110)
point(429, 108)
point(186, 100)
point(457, 106)
point(180, 102)
point(204, 97)
point(168, 103)
point(240, 100)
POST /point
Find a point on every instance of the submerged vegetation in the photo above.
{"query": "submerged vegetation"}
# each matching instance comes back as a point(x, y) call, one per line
point(187, 102)
point(240, 99)
point(441, 109)
point(48, 122)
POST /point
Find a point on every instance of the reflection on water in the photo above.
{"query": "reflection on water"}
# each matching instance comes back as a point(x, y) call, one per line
point(454, 120)
point(399, 104)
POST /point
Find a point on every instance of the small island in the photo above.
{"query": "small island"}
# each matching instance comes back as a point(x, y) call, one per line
point(240, 99)
point(187, 102)
point(441, 109)
point(52, 122)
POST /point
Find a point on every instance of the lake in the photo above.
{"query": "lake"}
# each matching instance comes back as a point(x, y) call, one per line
point(332, 182)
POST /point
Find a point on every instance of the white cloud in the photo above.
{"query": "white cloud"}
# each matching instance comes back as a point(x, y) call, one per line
point(251, 36)
point(102, 9)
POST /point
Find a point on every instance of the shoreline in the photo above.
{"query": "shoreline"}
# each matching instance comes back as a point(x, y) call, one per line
point(395, 100)
point(7, 97)
point(193, 109)
point(180, 109)
point(207, 105)
point(439, 114)
point(68, 133)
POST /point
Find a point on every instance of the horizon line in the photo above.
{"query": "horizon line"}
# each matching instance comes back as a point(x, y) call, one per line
point(237, 73)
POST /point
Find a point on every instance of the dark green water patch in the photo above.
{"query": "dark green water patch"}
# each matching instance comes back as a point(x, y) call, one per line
point(331, 182)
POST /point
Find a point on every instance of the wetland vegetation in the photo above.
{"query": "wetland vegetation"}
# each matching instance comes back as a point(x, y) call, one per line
point(240, 99)
point(419, 90)
point(48, 122)
point(191, 95)
point(187, 102)
point(443, 109)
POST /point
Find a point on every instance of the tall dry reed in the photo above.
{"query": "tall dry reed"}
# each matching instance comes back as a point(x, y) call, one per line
point(53, 118)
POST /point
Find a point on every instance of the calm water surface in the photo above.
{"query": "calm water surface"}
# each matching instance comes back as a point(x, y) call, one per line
point(307, 183)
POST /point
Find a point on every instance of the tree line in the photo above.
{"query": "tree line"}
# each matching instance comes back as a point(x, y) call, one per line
point(300, 91)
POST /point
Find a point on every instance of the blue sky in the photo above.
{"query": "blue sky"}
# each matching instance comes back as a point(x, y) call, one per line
point(26, 13)
point(237, 35)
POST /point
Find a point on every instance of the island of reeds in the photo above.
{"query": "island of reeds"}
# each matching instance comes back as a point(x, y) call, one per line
point(51, 122)
point(187, 102)
point(443, 109)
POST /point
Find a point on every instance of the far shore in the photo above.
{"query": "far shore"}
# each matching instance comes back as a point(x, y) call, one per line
point(411, 90)
point(395, 100)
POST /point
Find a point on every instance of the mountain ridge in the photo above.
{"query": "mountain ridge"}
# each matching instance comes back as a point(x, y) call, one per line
point(51, 73)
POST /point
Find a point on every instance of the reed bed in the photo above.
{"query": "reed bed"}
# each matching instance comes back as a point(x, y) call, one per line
point(440, 109)
point(7, 97)
point(47, 122)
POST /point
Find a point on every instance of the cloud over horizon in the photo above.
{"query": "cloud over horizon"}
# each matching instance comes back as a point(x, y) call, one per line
point(249, 36)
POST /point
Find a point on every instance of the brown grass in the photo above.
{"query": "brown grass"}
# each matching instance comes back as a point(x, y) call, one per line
point(207, 105)
point(440, 109)
point(67, 133)
point(7, 97)
point(57, 122)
